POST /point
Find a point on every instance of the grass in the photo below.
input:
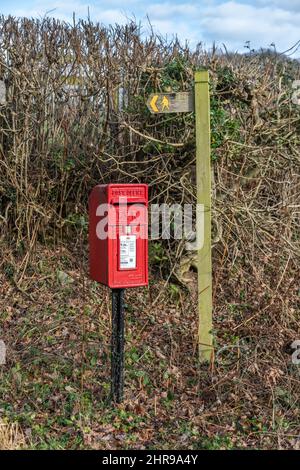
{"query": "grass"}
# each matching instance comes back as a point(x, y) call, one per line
point(11, 436)
point(54, 389)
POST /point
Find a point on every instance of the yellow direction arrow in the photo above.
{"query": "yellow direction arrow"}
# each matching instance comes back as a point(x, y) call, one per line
point(180, 102)
point(153, 103)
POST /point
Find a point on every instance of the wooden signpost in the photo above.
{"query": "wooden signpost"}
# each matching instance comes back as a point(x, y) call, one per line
point(199, 101)
point(203, 171)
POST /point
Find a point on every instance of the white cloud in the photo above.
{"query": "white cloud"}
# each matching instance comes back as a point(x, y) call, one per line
point(286, 4)
point(64, 11)
point(159, 10)
point(231, 22)
point(181, 29)
point(235, 23)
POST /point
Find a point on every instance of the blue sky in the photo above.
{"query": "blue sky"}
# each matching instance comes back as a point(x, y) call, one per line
point(261, 22)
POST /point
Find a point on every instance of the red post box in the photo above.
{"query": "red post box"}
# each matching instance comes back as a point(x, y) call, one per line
point(118, 235)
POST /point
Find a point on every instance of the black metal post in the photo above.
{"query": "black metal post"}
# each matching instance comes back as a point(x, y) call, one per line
point(117, 345)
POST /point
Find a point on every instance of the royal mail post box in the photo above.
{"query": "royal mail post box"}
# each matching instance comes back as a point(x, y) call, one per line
point(118, 235)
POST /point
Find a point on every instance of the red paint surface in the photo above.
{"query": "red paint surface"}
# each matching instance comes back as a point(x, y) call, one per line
point(104, 256)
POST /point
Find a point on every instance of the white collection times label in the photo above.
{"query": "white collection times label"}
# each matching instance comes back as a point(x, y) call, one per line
point(127, 251)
